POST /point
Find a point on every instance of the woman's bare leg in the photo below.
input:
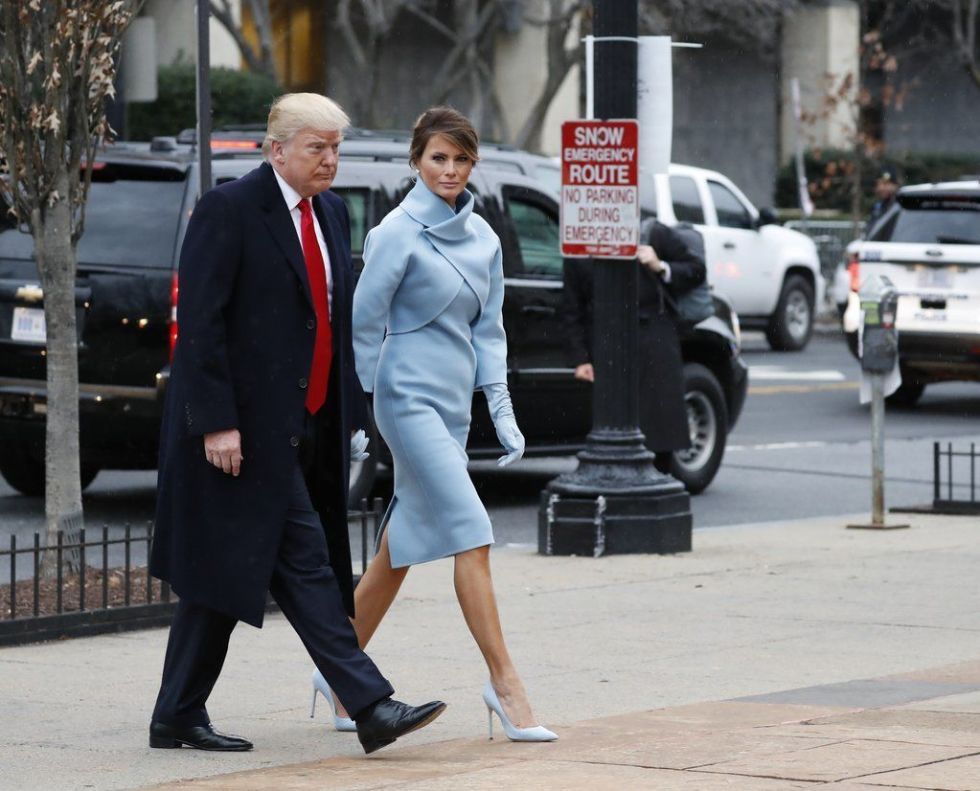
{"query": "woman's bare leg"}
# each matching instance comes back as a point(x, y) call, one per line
point(373, 597)
point(474, 589)
point(375, 592)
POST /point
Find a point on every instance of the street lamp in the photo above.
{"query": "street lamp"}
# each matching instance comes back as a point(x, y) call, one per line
point(616, 501)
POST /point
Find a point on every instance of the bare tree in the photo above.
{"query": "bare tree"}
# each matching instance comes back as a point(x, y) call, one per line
point(753, 23)
point(57, 66)
point(560, 55)
point(965, 18)
point(364, 26)
point(863, 96)
point(258, 59)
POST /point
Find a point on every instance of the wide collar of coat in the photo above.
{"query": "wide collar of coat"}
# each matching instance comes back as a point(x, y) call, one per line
point(283, 230)
point(454, 235)
point(440, 221)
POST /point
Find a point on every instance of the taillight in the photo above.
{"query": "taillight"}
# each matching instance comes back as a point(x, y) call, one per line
point(854, 271)
point(173, 316)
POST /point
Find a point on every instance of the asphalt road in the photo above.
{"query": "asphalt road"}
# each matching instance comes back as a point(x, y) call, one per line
point(801, 448)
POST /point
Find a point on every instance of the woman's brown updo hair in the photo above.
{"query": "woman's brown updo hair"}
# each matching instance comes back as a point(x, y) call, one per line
point(448, 122)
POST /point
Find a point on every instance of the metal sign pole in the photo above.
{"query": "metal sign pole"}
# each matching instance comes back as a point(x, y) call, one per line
point(877, 449)
point(879, 358)
point(204, 95)
point(616, 501)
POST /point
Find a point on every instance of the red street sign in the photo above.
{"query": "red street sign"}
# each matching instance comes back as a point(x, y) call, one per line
point(600, 206)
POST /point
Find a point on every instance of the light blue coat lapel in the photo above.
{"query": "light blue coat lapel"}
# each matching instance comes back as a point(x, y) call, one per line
point(454, 235)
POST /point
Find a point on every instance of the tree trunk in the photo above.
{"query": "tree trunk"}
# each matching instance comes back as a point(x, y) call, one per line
point(56, 264)
point(856, 186)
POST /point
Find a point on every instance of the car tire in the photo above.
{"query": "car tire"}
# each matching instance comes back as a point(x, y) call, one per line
point(707, 417)
point(26, 474)
point(908, 394)
point(363, 473)
point(791, 325)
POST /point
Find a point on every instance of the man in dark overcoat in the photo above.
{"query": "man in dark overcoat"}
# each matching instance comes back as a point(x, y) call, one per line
point(260, 409)
point(669, 267)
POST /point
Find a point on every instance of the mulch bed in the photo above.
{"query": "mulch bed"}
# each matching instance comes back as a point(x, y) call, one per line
point(115, 590)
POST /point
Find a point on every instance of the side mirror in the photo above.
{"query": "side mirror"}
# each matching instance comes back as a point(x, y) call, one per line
point(767, 216)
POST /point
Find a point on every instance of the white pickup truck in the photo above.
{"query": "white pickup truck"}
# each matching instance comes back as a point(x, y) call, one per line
point(771, 274)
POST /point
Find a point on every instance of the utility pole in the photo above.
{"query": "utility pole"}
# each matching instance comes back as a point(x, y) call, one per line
point(204, 94)
point(616, 501)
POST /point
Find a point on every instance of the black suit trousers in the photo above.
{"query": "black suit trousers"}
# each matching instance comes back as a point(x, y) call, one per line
point(305, 588)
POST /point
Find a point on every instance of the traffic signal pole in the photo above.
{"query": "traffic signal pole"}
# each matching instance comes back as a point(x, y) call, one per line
point(616, 501)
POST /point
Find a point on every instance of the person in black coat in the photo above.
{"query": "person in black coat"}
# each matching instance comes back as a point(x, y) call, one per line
point(668, 268)
point(258, 419)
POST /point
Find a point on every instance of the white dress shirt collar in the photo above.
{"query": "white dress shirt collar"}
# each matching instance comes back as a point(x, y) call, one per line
point(291, 196)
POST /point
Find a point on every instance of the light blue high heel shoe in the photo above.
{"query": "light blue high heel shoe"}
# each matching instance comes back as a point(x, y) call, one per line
point(536, 734)
point(320, 685)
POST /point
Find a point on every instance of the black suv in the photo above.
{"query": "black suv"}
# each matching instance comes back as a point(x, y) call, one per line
point(127, 290)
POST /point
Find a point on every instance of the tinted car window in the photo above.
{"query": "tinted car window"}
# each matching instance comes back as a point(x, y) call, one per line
point(730, 210)
point(930, 226)
point(537, 237)
point(357, 208)
point(127, 223)
point(686, 200)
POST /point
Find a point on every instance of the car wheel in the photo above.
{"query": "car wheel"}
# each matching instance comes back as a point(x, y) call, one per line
point(792, 323)
point(26, 474)
point(908, 394)
point(362, 473)
point(707, 420)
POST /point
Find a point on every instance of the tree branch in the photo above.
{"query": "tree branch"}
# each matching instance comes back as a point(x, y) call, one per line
point(257, 62)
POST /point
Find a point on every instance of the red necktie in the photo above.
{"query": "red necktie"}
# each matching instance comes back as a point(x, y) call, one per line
point(316, 393)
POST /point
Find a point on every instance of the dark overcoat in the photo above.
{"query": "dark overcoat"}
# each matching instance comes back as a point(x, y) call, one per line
point(663, 416)
point(246, 334)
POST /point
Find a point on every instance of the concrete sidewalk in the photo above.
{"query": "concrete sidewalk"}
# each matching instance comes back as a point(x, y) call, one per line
point(839, 736)
point(623, 656)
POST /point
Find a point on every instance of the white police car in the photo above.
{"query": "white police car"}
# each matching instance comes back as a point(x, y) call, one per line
point(928, 244)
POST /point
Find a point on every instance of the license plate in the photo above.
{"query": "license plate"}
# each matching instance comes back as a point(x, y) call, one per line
point(28, 325)
point(932, 277)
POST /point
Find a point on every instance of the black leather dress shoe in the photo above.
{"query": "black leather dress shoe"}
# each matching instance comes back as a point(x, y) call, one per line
point(200, 737)
point(383, 722)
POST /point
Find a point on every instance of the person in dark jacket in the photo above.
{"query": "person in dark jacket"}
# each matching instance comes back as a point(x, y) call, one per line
point(886, 192)
point(257, 426)
point(668, 268)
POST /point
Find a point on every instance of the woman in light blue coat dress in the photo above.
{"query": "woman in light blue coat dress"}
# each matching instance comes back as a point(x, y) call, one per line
point(428, 331)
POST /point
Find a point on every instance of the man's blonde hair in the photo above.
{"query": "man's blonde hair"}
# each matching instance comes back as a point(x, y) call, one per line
point(294, 111)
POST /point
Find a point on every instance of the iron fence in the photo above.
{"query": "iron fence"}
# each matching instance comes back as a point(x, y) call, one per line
point(96, 581)
point(831, 238)
point(954, 471)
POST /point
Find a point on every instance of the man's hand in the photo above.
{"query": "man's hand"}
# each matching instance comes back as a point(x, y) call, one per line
point(649, 258)
point(585, 372)
point(223, 449)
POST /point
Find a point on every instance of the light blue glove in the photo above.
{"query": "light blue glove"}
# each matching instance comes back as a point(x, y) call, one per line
point(502, 414)
point(358, 446)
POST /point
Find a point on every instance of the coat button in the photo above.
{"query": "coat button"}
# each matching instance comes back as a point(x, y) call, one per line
point(302, 384)
point(310, 324)
point(294, 441)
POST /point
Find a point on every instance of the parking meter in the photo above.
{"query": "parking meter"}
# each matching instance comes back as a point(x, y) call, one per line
point(879, 340)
